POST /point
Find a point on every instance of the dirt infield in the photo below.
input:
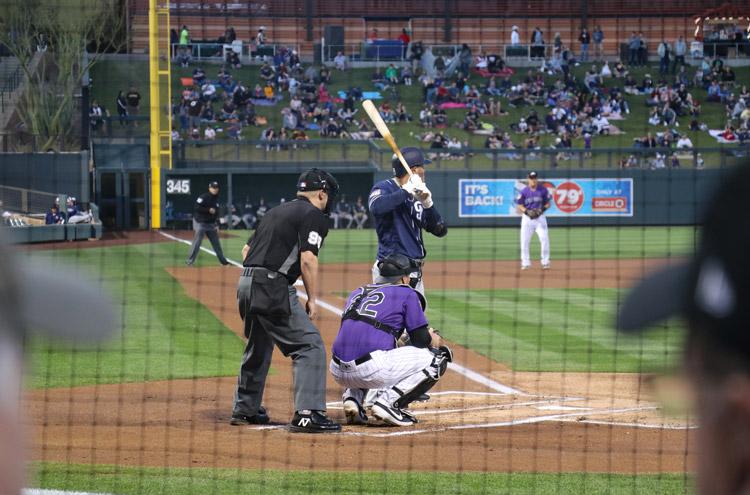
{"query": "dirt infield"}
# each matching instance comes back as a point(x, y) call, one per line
point(551, 422)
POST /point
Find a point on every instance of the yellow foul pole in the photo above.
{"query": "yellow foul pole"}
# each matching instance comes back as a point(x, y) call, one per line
point(160, 112)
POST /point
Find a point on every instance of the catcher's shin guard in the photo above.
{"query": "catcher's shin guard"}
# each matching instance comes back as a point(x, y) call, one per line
point(413, 387)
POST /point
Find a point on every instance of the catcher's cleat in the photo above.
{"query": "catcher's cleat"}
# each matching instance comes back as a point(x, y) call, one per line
point(355, 414)
point(307, 421)
point(392, 415)
point(261, 418)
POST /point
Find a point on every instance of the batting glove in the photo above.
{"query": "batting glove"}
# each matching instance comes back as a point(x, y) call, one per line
point(411, 188)
point(425, 197)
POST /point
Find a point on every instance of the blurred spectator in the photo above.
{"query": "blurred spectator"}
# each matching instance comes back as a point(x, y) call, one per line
point(96, 116)
point(75, 214)
point(360, 213)
point(342, 211)
point(664, 50)
point(339, 61)
point(176, 137)
point(248, 218)
point(598, 38)
point(585, 40)
point(417, 51)
point(122, 108)
point(680, 49)
point(260, 38)
point(515, 38)
point(684, 142)
point(634, 44)
point(209, 134)
point(133, 98)
point(405, 39)
point(262, 209)
point(373, 35)
point(537, 43)
point(53, 216)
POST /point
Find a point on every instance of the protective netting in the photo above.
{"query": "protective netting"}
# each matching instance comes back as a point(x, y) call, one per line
point(628, 126)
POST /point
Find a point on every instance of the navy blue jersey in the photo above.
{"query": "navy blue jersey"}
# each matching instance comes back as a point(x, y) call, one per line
point(399, 220)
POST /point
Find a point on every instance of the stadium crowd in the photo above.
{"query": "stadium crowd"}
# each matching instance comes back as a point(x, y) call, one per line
point(554, 101)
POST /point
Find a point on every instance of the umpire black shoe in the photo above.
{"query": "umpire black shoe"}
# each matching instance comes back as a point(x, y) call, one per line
point(257, 419)
point(313, 422)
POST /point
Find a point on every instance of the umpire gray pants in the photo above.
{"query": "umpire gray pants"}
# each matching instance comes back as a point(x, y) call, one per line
point(296, 337)
point(209, 229)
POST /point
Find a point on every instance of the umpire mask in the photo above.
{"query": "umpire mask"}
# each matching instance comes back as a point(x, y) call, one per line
point(316, 179)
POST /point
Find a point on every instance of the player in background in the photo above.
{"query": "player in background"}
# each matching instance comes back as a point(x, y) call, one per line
point(401, 207)
point(532, 202)
point(380, 376)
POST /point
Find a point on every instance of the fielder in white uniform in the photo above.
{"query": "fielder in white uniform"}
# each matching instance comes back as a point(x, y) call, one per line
point(378, 375)
point(532, 202)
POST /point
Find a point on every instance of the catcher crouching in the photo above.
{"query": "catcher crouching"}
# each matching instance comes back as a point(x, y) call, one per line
point(381, 377)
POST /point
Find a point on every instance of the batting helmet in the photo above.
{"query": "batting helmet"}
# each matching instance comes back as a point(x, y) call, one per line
point(396, 265)
point(413, 156)
point(316, 179)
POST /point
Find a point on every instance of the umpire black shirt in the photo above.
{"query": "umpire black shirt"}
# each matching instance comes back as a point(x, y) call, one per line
point(284, 232)
point(203, 204)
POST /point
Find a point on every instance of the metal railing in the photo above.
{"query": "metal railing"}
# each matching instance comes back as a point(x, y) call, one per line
point(20, 207)
point(215, 51)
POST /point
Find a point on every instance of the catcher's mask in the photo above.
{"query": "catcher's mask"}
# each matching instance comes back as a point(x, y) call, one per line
point(413, 156)
point(316, 179)
point(395, 266)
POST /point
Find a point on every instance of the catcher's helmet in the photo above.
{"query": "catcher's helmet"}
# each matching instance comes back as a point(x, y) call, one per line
point(316, 179)
point(413, 156)
point(396, 265)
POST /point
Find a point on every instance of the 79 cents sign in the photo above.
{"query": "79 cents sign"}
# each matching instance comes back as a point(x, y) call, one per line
point(569, 197)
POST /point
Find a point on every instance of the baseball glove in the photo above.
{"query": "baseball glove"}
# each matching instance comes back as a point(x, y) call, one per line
point(534, 213)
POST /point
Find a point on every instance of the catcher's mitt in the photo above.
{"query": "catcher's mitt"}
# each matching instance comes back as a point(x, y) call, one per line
point(534, 213)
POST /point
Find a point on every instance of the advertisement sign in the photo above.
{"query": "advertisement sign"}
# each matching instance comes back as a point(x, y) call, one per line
point(482, 198)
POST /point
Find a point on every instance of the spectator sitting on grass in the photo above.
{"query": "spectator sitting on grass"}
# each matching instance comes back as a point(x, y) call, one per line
point(391, 74)
point(346, 115)
point(387, 112)
point(362, 131)
point(195, 133)
point(233, 60)
point(401, 114)
point(439, 66)
point(714, 92)
point(209, 134)
point(619, 70)
point(684, 142)
point(199, 76)
point(425, 116)
point(406, 76)
point(208, 116)
point(267, 73)
point(495, 108)
point(471, 120)
point(324, 75)
point(669, 116)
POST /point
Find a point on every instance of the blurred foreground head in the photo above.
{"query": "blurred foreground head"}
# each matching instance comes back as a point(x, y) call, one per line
point(711, 292)
point(51, 301)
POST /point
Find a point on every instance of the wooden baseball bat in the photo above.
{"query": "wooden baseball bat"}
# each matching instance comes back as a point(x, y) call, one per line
point(382, 128)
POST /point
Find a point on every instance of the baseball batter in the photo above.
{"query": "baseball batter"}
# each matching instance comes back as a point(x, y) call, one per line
point(532, 202)
point(401, 207)
point(380, 376)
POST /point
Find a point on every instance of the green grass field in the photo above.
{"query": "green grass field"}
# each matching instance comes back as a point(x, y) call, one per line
point(183, 481)
point(169, 335)
point(110, 76)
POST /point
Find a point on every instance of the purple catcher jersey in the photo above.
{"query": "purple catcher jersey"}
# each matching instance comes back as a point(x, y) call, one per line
point(533, 199)
point(397, 306)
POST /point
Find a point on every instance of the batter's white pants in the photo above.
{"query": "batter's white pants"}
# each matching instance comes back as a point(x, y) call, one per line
point(401, 367)
point(528, 228)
